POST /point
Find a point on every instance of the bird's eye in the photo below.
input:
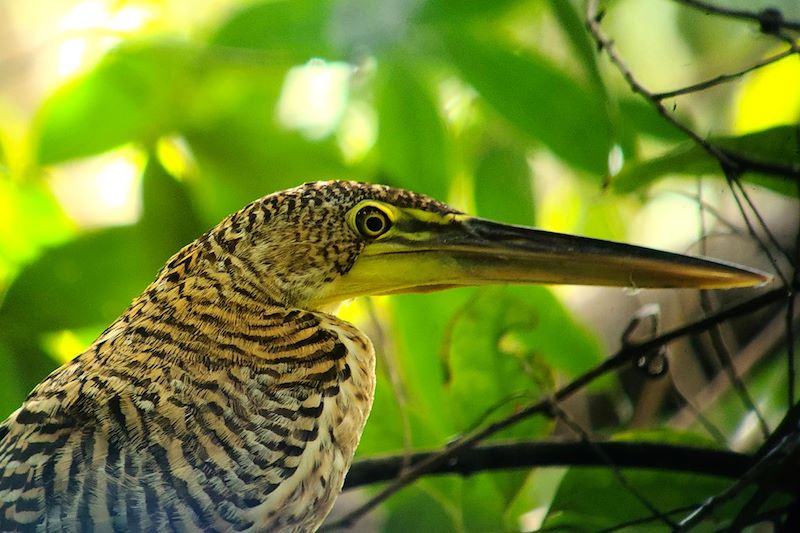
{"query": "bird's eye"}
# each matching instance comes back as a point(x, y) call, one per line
point(372, 222)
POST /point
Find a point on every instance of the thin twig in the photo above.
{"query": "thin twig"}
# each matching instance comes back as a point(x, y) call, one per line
point(724, 78)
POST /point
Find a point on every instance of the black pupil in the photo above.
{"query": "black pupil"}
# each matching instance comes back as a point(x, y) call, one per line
point(374, 223)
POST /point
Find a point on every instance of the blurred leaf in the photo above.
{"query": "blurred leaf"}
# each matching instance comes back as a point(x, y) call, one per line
point(458, 11)
point(503, 187)
point(779, 145)
point(411, 135)
point(364, 27)
point(646, 121)
point(483, 504)
point(12, 388)
point(594, 498)
point(130, 96)
point(94, 276)
point(538, 98)
point(292, 31)
point(582, 45)
point(30, 218)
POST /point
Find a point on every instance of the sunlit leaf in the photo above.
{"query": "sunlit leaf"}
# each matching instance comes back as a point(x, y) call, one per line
point(538, 98)
point(780, 146)
point(130, 96)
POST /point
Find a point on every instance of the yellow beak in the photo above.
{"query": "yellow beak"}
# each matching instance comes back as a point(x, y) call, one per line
point(425, 252)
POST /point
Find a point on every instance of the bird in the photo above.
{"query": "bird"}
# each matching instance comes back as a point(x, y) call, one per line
point(230, 397)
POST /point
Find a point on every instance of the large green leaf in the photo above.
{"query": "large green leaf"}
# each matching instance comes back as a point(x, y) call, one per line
point(287, 30)
point(538, 98)
point(422, 331)
point(411, 135)
point(132, 95)
point(779, 145)
point(505, 349)
point(416, 509)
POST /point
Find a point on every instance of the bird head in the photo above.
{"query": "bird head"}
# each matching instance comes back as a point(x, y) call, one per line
point(323, 242)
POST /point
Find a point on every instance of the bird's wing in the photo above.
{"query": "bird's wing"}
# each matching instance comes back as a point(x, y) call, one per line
point(122, 436)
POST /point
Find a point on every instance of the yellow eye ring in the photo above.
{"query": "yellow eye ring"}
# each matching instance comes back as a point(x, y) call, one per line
point(372, 222)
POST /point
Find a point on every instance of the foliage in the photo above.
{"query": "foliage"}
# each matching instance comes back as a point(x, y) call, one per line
point(455, 99)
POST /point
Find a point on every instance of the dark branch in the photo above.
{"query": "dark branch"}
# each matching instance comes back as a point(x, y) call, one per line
point(536, 454)
point(770, 20)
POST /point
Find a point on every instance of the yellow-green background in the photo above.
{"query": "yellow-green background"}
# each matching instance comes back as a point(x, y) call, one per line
point(128, 128)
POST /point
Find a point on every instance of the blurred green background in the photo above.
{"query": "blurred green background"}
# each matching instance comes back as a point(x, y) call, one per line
point(127, 128)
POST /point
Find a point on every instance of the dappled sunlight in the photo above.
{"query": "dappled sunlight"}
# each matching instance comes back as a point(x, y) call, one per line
point(314, 97)
point(103, 190)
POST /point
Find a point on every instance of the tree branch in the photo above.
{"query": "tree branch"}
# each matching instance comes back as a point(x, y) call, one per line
point(506, 456)
point(731, 162)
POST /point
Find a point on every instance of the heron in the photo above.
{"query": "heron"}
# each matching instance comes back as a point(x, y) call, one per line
point(230, 397)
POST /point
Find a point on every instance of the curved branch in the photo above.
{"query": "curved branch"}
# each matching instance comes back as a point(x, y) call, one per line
point(506, 456)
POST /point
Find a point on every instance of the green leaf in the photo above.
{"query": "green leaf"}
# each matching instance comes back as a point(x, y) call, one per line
point(505, 349)
point(415, 509)
point(582, 45)
point(504, 187)
point(589, 499)
point(594, 498)
point(130, 96)
point(411, 135)
point(458, 11)
point(12, 390)
point(538, 98)
point(645, 120)
point(423, 323)
point(779, 145)
point(293, 31)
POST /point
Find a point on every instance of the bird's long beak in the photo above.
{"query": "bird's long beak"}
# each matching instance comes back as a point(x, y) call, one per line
point(424, 252)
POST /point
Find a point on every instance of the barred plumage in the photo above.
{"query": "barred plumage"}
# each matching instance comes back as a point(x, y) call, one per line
point(226, 398)
point(215, 401)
